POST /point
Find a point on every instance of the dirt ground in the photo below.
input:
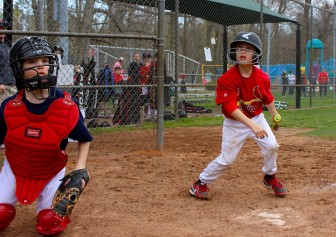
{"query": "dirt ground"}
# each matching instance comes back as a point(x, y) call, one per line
point(139, 193)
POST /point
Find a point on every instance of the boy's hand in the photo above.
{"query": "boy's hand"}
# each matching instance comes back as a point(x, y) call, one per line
point(259, 131)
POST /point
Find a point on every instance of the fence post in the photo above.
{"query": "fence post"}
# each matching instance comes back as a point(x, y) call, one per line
point(160, 76)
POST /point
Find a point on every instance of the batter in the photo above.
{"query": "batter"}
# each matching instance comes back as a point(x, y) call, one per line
point(241, 92)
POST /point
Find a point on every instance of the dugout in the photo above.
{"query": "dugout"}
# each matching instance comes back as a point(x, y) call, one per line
point(241, 12)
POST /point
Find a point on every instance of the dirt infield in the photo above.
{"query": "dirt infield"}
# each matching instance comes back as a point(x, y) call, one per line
point(140, 193)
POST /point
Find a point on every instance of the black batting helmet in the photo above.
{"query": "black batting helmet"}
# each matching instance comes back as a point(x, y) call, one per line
point(33, 47)
point(246, 37)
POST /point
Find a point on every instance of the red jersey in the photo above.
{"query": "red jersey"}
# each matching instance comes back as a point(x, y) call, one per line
point(117, 78)
point(323, 78)
point(145, 72)
point(246, 94)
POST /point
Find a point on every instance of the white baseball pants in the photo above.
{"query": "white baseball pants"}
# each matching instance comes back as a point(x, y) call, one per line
point(234, 135)
point(8, 184)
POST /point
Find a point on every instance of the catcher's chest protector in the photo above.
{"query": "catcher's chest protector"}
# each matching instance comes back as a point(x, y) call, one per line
point(32, 143)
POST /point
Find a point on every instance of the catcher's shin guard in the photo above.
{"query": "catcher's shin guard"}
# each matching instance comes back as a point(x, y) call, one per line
point(49, 223)
point(7, 214)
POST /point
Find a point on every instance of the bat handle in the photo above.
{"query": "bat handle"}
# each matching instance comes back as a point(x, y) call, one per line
point(276, 120)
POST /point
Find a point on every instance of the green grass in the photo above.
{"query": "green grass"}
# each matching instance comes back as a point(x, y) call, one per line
point(306, 102)
point(320, 121)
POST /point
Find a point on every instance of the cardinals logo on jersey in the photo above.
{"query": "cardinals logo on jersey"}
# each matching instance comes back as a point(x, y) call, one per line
point(252, 105)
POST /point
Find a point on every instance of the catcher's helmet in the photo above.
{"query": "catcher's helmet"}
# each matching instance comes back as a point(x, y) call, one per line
point(33, 47)
point(246, 37)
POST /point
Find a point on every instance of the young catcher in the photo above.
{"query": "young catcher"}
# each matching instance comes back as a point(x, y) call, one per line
point(241, 92)
point(35, 125)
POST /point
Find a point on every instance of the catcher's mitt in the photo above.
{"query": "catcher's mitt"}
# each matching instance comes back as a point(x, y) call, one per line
point(68, 192)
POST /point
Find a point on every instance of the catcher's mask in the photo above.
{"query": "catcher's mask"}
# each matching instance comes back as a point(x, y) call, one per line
point(33, 47)
point(250, 38)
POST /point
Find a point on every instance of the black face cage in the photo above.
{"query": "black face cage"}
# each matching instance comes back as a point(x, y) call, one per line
point(231, 56)
point(27, 48)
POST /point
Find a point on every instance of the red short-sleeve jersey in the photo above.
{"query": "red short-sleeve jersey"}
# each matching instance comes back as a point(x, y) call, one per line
point(323, 78)
point(145, 72)
point(117, 78)
point(247, 94)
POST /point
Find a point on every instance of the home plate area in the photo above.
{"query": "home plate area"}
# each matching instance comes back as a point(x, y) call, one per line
point(285, 218)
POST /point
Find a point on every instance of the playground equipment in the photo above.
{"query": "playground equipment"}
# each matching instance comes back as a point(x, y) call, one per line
point(317, 44)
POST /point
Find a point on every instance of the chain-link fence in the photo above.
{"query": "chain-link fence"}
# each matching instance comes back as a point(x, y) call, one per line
point(109, 52)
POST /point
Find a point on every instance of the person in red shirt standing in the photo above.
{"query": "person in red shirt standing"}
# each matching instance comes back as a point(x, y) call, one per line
point(119, 64)
point(146, 72)
point(241, 92)
point(119, 116)
point(323, 80)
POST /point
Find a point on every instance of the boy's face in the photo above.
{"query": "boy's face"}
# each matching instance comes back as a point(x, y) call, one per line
point(136, 57)
point(147, 59)
point(245, 53)
point(35, 66)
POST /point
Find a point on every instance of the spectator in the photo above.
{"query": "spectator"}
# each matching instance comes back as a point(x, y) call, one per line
point(323, 80)
point(208, 76)
point(303, 82)
point(106, 93)
point(204, 81)
point(284, 81)
point(119, 116)
point(169, 90)
point(59, 53)
point(291, 82)
point(7, 81)
point(118, 80)
point(145, 80)
point(90, 99)
point(78, 77)
point(119, 63)
point(134, 70)
point(183, 84)
point(132, 112)
point(313, 80)
point(193, 77)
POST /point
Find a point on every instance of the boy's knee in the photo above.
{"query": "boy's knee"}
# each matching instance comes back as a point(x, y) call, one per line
point(7, 214)
point(273, 147)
